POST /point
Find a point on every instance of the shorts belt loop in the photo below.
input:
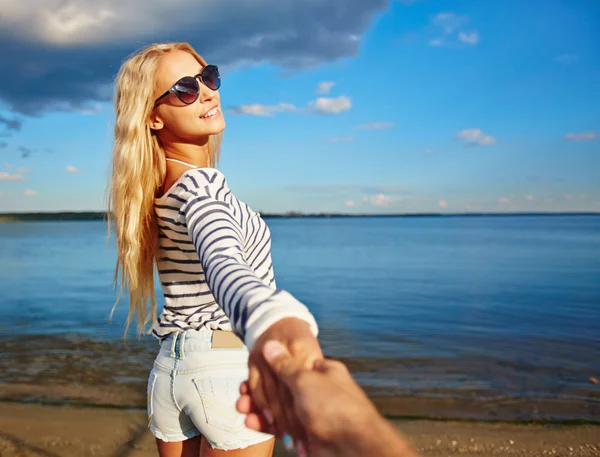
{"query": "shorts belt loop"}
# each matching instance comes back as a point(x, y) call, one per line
point(173, 344)
point(182, 345)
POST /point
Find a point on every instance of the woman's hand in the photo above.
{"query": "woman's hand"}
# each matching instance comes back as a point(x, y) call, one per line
point(272, 398)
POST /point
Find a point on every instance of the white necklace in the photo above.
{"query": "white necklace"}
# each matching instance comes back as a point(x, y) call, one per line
point(182, 163)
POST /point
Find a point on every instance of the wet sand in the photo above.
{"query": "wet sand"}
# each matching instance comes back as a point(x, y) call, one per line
point(63, 431)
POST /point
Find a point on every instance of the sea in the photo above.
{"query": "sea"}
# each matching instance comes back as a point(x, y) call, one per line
point(456, 316)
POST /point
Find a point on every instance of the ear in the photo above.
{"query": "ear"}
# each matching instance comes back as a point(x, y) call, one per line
point(156, 121)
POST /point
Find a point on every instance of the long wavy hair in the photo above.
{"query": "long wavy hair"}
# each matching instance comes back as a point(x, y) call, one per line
point(138, 173)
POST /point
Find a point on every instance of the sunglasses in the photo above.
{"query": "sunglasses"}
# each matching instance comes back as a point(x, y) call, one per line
point(187, 88)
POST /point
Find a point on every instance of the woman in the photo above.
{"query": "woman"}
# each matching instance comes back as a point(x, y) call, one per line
point(172, 209)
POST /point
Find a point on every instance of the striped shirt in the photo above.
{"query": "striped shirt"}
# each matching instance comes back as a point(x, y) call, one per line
point(215, 263)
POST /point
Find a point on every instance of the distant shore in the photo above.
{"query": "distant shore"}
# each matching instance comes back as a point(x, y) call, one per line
point(96, 216)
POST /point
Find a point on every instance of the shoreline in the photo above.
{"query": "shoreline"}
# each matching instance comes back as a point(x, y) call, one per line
point(102, 216)
point(65, 431)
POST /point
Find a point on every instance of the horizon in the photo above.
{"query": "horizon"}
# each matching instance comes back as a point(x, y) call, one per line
point(338, 106)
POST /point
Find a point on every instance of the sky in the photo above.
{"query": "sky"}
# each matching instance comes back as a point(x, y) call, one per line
point(343, 106)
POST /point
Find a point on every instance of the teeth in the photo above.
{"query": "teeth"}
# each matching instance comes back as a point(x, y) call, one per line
point(210, 113)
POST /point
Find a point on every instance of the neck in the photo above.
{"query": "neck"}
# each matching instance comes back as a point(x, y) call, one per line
point(194, 154)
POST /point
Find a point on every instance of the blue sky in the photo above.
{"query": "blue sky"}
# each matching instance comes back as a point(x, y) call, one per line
point(331, 105)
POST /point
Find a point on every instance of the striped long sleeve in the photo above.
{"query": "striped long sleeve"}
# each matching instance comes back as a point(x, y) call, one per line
point(219, 233)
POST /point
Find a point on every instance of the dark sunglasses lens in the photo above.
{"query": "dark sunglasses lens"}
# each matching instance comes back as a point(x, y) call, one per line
point(187, 89)
point(211, 77)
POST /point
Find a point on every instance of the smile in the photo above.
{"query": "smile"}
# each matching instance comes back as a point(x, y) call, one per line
point(211, 113)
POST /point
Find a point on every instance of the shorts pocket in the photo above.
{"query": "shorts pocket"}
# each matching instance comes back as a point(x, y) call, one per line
point(150, 396)
point(219, 389)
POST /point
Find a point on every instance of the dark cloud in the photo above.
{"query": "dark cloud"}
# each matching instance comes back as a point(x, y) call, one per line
point(25, 152)
point(63, 55)
point(13, 124)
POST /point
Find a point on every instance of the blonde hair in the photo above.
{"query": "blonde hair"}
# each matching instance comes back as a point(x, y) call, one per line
point(138, 173)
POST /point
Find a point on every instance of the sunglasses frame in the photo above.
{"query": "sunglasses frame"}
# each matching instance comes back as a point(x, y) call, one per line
point(196, 78)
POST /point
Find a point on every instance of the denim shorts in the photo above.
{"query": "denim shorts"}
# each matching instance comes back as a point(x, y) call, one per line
point(192, 390)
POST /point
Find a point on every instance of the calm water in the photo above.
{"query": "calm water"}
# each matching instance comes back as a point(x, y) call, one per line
point(511, 301)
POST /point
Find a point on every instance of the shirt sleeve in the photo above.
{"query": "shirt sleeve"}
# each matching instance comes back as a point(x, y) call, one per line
point(251, 305)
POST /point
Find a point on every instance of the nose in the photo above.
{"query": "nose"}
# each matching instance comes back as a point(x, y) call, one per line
point(206, 93)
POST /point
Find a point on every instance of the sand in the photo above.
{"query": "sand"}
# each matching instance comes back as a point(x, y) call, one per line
point(53, 431)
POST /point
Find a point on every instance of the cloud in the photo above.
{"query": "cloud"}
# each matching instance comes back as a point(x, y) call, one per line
point(322, 106)
point(63, 55)
point(428, 152)
point(376, 126)
point(25, 152)
point(263, 110)
point(567, 59)
point(475, 137)
point(22, 171)
point(349, 203)
point(471, 38)
point(30, 193)
point(529, 198)
point(72, 169)
point(340, 139)
point(442, 203)
point(352, 189)
point(328, 106)
point(504, 201)
point(449, 22)
point(3, 144)
point(13, 124)
point(380, 200)
point(582, 136)
point(325, 87)
point(4, 176)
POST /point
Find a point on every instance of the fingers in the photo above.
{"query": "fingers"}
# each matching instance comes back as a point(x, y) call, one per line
point(285, 368)
point(280, 361)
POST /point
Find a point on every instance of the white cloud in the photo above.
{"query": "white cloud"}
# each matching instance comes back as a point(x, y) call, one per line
point(263, 110)
point(529, 198)
point(475, 137)
point(436, 42)
point(322, 105)
point(449, 22)
point(442, 203)
point(567, 59)
point(471, 38)
point(326, 106)
point(22, 171)
point(429, 152)
point(504, 201)
point(30, 193)
point(4, 176)
point(582, 136)
point(7, 166)
point(325, 87)
point(72, 169)
point(349, 203)
point(380, 200)
point(376, 126)
point(340, 139)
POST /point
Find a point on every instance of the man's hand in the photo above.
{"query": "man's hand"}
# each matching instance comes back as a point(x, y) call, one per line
point(272, 399)
point(338, 417)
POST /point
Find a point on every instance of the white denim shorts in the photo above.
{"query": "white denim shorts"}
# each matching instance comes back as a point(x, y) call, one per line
point(192, 390)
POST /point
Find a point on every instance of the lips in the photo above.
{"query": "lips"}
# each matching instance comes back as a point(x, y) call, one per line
point(211, 113)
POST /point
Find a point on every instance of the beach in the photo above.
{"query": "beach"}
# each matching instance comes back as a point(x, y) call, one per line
point(53, 431)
